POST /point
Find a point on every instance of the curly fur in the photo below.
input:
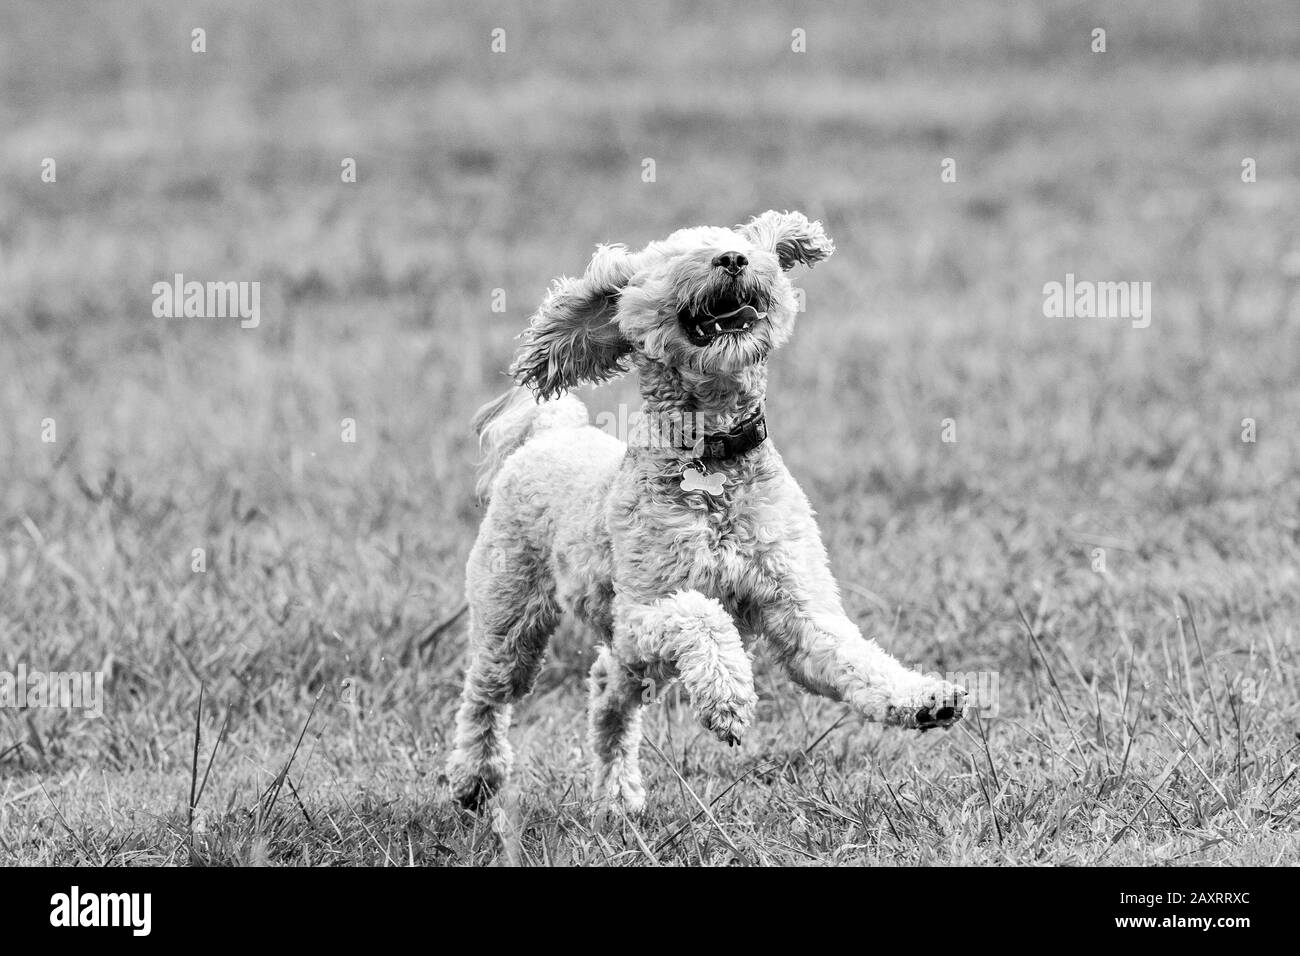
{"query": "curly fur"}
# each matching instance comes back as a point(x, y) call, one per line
point(673, 581)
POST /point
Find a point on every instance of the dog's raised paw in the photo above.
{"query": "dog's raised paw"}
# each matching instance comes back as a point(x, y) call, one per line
point(727, 725)
point(727, 719)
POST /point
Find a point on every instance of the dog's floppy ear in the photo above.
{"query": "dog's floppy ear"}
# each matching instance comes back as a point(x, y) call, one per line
point(573, 339)
point(791, 236)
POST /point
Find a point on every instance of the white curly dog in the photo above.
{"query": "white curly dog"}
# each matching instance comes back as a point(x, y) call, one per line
point(677, 546)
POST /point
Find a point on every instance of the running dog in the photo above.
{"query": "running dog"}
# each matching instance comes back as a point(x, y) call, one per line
point(673, 551)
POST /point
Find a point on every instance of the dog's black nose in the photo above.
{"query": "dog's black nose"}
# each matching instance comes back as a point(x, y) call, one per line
point(733, 262)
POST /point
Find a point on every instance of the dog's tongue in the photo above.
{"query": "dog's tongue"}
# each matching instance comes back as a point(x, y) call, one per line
point(734, 313)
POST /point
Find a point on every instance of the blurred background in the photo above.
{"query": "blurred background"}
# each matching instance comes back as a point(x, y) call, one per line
point(479, 171)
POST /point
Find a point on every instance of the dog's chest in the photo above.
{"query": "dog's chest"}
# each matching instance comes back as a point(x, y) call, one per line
point(718, 544)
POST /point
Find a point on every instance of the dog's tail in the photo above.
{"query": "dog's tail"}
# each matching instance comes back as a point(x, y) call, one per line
point(510, 419)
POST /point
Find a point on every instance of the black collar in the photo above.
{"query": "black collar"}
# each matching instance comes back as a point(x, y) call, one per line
point(743, 438)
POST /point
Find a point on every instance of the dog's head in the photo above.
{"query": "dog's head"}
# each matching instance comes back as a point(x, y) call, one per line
point(709, 299)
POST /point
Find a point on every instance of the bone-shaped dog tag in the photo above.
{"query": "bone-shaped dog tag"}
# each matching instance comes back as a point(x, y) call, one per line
point(695, 479)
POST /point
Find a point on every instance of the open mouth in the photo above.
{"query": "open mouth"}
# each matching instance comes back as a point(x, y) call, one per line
point(724, 315)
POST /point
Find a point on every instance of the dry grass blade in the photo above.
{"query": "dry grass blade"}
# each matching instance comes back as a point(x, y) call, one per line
point(212, 756)
point(707, 812)
point(273, 791)
point(988, 801)
point(672, 837)
point(1155, 789)
point(436, 631)
point(194, 761)
point(1188, 689)
point(640, 840)
point(63, 821)
point(824, 734)
point(1213, 786)
point(1205, 667)
point(1056, 687)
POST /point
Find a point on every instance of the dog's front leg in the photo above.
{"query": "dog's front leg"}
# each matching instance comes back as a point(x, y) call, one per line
point(685, 636)
point(825, 652)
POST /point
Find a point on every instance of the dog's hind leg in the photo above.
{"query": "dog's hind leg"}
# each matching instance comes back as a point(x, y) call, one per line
point(513, 612)
point(686, 636)
point(615, 694)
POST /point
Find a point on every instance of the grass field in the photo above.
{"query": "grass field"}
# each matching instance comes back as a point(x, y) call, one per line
point(1147, 714)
